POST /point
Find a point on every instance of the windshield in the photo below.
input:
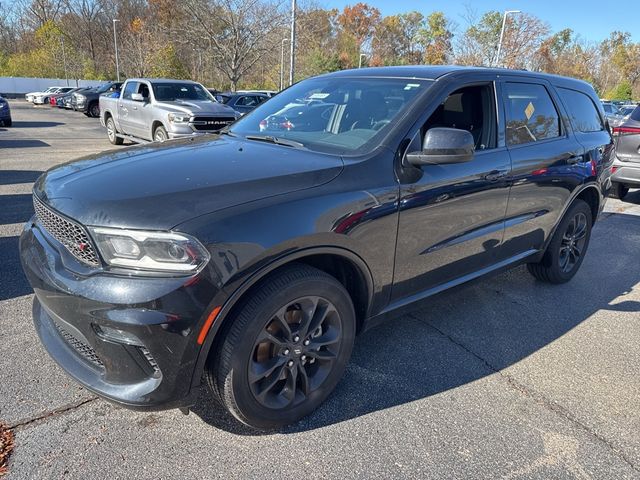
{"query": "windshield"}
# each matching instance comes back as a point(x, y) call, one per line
point(334, 115)
point(169, 92)
point(103, 88)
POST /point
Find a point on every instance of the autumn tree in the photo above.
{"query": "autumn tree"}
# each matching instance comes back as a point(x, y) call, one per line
point(436, 39)
point(358, 23)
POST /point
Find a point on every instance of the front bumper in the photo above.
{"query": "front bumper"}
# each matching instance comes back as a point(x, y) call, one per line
point(74, 315)
point(627, 173)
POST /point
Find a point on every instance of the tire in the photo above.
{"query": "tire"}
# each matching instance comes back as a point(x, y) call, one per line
point(7, 123)
point(618, 190)
point(112, 132)
point(568, 246)
point(94, 110)
point(160, 134)
point(274, 331)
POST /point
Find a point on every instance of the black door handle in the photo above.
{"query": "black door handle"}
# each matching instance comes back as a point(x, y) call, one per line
point(494, 175)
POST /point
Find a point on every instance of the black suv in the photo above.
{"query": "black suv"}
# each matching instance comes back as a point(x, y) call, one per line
point(253, 257)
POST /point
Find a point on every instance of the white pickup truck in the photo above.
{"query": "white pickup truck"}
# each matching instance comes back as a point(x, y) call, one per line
point(159, 109)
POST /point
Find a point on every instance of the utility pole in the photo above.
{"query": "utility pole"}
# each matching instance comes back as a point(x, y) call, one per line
point(360, 59)
point(115, 43)
point(293, 42)
point(504, 23)
point(284, 40)
point(64, 60)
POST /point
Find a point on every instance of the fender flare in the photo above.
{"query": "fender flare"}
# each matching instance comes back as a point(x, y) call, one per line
point(567, 205)
point(254, 278)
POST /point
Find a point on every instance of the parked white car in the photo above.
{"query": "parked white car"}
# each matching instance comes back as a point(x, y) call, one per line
point(30, 97)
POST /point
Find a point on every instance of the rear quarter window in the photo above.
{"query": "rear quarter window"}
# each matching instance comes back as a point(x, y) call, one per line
point(635, 115)
point(582, 111)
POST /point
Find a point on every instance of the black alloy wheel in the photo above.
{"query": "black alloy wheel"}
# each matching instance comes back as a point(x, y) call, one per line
point(568, 246)
point(573, 242)
point(295, 352)
point(284, 351)
point(94, 110)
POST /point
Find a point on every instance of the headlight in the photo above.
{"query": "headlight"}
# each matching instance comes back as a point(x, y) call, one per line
point(80, 97)
point(3, 105)
point(179, 117)
point(152, 251)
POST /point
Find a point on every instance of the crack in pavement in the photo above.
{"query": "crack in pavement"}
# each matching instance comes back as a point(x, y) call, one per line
point(537, 397)
point(51, 413)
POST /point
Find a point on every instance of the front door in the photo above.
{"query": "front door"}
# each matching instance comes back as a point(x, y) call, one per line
point(451, 219)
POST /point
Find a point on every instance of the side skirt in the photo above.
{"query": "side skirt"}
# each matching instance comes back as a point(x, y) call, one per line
point(407, 304)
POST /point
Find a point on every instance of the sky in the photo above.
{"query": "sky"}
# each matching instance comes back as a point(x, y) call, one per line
point(592, 20)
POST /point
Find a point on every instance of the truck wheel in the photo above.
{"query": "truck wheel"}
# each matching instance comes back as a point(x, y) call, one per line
point(160, 134)
point(618, 190)
point(94, 110)
point(112, 133)
point(567, 248)
point(285, 350)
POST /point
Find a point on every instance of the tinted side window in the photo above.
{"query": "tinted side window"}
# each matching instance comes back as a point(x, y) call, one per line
point(531, 114)
point(635, 115)
point(132, 87)
point(582, 110)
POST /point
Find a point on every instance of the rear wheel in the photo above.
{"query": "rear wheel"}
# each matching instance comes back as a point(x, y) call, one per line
point(160, 134)
point(567, 248)
point(285, 350)
point(112, 133)
point(618, 190)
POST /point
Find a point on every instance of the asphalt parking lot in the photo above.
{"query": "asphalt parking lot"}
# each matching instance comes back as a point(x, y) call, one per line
point(504, 378)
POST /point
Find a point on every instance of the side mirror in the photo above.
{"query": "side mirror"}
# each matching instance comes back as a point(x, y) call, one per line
point(137, 97)
point(444, 146)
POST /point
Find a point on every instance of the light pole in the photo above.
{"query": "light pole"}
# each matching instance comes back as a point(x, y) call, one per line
point(64, 60)
point(360, 59)
point(504, 23)
point(115, 44)
point(292, 55)
point(284, 40)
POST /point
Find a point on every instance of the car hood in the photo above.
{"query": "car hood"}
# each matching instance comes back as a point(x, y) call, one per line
point(159, 186)
point(197, 107)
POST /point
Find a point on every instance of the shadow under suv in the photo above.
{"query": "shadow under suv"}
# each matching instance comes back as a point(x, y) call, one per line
point(252, 258)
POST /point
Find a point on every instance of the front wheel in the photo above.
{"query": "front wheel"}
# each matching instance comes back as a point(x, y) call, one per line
point(567, 248)
point(618, 190)
point(94, 110)
point(286, 348)
point(7, 123)
point(160, 134)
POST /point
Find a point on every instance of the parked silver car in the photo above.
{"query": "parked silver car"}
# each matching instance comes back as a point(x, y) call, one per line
point(160, 109)
point(626, 166)
point(612, 113)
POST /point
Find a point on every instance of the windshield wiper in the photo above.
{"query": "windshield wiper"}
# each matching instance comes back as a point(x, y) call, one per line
point(277, 140)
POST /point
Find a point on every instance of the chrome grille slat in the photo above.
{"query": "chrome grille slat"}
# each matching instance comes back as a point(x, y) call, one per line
point(69, 233)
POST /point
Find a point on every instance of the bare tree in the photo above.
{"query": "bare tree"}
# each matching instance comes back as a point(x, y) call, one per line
point(236, 31)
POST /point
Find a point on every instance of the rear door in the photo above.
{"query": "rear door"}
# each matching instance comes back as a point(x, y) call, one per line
point(125, 107)
point(547, 162)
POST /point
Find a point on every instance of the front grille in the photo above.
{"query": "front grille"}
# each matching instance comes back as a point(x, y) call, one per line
point(84, 350)
point(211, 124)
point(69, 233)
